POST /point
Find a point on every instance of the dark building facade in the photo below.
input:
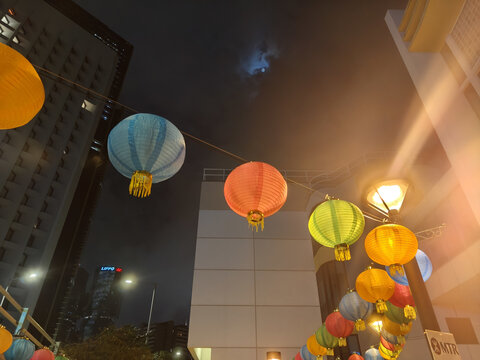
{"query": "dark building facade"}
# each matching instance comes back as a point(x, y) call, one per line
point(51, 169)
point(170, 339)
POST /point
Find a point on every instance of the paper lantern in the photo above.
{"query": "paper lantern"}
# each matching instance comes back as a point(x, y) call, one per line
point(390, 346)
point(397, 315)
point(315, 348)
point(355, 356)
point(394, 328)
point(373, 354)
point(375, 286)
point(388, 354)
point(43, 354)
point(402, 297)
point(305, 354)
point(424, 264)
point(337, 224)
point(255, 190)
point(147, 149)
point(325, 339)
point(392, 245)
point(397, 341)
point(339, 327)
point(298, 356)
point(6, 339)
point(21, 91)
point(354, 308)
point(21, 349)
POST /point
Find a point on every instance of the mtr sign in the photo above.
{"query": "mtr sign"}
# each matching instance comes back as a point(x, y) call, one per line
point(442, 345)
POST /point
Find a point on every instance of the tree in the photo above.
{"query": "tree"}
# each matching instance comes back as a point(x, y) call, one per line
point(123, 343)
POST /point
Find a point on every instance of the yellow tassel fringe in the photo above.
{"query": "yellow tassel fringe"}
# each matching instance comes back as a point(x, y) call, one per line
point(381, 306)
point(330, 351)
point(359, 325)
point(342, 341)
point(409, 312)
point(255, 218)
point(404, 327)
point(396, 268)
point(342, 252)
point(141, 184)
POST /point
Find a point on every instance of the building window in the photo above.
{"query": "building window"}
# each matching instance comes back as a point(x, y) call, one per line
point(24, 260)
point(9, 235)
point(87, 105)
point(2, 253)
point(31, 241)
point(16, 40)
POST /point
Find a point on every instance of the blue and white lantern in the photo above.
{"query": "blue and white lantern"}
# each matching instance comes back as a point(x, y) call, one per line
point(306, 355)
point(354, 308)
point(424, 264)
point(373, 354)
point(21, 349)
point(146, 148)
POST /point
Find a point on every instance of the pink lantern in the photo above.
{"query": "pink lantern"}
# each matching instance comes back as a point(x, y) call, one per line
point(43, 354)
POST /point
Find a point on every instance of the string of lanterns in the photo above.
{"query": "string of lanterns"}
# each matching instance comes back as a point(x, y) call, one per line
point(21, 348)
point(149, 149)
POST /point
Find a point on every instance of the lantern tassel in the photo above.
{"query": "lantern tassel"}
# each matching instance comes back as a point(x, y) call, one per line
point(359, 325)
point(409, 312)
point(397, 347)
point(342, 252)
point(255, 218)
point(342, 341)
point(401, 339)
point(396, 268)
point(141, 184)
point(319, 357)
point(381, 306)
point(404, 327)
point(330, 352)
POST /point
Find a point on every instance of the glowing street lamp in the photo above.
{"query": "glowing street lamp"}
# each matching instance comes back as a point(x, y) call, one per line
point(388, 196)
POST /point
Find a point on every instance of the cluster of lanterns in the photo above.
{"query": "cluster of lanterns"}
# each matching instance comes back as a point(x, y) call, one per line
point(356, 308)
point(22, 348)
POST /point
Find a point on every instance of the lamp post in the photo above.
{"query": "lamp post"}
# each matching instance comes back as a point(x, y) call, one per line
point(387, 198)
point(152, 301)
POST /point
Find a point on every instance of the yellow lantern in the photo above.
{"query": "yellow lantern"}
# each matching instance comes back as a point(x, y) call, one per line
point(394, 328)
point(392, 245)
point(6, 339)
point(21, 90)
point(375, 286)
point(315, 348)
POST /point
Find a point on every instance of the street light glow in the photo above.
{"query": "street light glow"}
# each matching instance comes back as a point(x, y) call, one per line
point(32, 275)
point(128, 281)
point(392, 192)
point(178, 353)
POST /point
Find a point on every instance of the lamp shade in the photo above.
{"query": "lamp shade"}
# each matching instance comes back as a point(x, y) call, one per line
point(325, 339)
point(337, 224)
point(354, 308)
point(21, 91)
point(373, 354)
point(355, 356)
point(375, 286)
point(392, 245)
point(43, 354)
point(339, 327)
point(274, 355)
point(424, 264)
point(305, 354)
point(255, 190)
point(21, 349)
point(402, 297)
point(146, 148)
point(314, 347)
point(395, 328)
point(6, 339)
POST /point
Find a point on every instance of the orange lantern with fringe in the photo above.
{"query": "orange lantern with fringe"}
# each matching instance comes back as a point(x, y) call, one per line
point(6, 339)
point(255, 190)
point(339, 327)
point(375, 286)
point(315, 348)
point(394, 328)
point(392, 245)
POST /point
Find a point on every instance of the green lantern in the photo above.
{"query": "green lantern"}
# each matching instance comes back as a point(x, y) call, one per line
point(60, 357)
point(325, 339)
point(397, 315)
point(337, 224)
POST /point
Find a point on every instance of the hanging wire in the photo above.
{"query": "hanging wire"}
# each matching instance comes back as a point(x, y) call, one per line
point(236, 157)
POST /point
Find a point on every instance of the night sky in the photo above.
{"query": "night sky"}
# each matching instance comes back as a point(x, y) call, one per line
point(300, 84)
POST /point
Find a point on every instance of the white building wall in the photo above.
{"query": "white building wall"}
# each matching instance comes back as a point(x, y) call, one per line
point(252, 291)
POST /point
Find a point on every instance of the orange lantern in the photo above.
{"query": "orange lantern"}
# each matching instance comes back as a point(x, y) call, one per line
point(392, 245)
point(255, 190)
point(315, 348)
point(396, 329)
point(375, 286)
point(21, 90)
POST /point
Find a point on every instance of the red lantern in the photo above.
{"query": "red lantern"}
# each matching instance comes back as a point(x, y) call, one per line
point(255, 190)
point(43, 354)
point(355, 356)
point(339, 327)
point(389, 345)
point(298, 356)
point(402, 297)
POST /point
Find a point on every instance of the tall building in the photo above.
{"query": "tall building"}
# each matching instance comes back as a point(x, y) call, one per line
point(105, 300)
point(51, 167)
point(168, 337)
point(253, 292)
